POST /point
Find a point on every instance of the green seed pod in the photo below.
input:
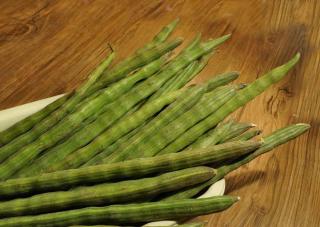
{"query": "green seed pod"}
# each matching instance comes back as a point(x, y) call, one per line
point(176, 109)
point(105, 194)
point(210, 103)
point(247, 135)
point(73, 120)
point(242, 97)
point(213, 136)
point(109, 136)
point(235, 130)
point(27, 123)
point(273, 140)
point(12, 147)
point(66, 179)
point(162, 36)
point(132, 63)
point(125, 214)
point(128, 65)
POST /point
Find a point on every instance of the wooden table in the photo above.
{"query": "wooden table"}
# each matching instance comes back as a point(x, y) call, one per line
point(49, 47)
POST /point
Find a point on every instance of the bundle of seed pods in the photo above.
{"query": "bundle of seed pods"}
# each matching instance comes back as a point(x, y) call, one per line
point(133, 144)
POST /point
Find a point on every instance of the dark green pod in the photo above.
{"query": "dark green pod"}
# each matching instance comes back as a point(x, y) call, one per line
point(242, 97)
point(106, 194)
point(273, 140)
point(126, 214)
point(63, 180)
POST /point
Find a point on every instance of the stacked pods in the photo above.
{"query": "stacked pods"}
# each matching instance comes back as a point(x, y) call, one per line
point(131, 145)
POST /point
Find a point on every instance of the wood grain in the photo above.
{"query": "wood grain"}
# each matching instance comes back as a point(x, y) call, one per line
point(49, 47)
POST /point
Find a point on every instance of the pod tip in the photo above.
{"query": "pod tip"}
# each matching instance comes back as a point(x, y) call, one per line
point(253, 125)
point(213, 43)
point(235, 198)
point(305, 125)
point(179, 39)
point(294, 60)
point(227, 36)
point(174, 23)
point(242, 85)
point(235, 73)
point(259, 131)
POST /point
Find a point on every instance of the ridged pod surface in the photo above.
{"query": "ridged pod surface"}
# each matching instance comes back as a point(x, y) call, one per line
point(182, 104)
point(271, 141)
point(130, 64)
point(242, 97)
point(50, 121)
point(66, 179)
point(106, 194)
point(126, 214)
point(209, 103)
point(109, 136)
point(28, 153)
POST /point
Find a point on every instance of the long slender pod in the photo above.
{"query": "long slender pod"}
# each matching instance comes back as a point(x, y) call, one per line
point(246, 135)
point(117, 72)
point(132, 63)
point(165, 32)
point(27, 123)
point(167, 87)
point(173, 67)
point(128, 65)
point(234, 129)
point(136, 61)
point(182, 104)
point(70, 122)
point(162, 36)
point(67, 103)
point(106, 194)
point(54, 117)
point(173, 130)
point(241, 98)
point(176, 82)
point(126, 214)
point(177, 127)
point(186, 74)
point(83, 155)
point(271, 141)
point(57, 155)
point(222, 79)
point(194, 42)
point(189, 73)
point(139, 58)
point(237, 129)
point(66, 179)
point(111, 149)
point(213, 136)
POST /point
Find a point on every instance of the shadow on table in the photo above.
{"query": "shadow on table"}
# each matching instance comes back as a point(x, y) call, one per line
point(243, 179)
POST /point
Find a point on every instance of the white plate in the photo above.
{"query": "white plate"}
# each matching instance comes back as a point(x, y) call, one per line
point(10, 116)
